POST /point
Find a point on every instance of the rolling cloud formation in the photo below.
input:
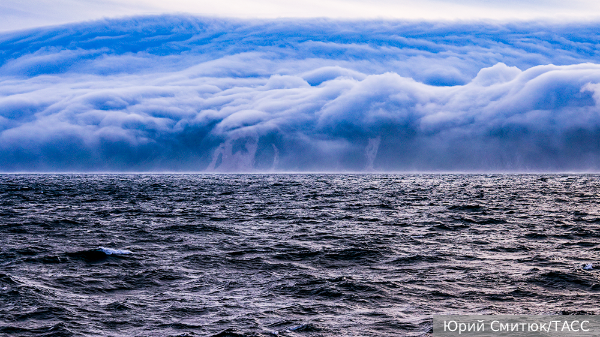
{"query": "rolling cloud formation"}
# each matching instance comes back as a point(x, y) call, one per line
point(174, 93)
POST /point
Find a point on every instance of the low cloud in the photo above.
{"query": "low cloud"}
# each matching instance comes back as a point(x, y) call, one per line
point(189, 94)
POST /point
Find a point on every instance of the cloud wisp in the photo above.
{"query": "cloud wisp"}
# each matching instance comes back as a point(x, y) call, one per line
point(194, 94)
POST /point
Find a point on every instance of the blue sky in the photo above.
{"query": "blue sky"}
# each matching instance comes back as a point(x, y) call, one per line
point(235, 92)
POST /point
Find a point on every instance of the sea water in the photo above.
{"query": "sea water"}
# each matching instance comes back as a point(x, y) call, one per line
point(292, 254)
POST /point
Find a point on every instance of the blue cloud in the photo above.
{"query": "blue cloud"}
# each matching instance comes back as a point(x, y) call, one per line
point(177, 93)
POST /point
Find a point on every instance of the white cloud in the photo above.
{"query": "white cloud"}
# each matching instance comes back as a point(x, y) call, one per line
point(343, 111)
point(257, 96)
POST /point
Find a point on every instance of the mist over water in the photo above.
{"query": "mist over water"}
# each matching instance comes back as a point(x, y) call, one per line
point(290, 255)
point(188, 94)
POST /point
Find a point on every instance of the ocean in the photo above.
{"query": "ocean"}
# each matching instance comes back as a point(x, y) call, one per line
point(291, 254)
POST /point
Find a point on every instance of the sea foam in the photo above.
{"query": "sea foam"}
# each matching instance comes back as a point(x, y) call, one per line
point(110, 251)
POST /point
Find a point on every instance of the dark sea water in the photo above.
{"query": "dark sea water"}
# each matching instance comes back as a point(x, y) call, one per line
point(290, 255)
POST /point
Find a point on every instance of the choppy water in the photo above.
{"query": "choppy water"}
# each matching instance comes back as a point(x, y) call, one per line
point(290, 255)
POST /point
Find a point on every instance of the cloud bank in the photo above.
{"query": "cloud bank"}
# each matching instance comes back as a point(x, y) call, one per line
point(175, 93)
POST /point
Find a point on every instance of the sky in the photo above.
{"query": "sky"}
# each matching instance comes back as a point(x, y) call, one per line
point(453, 86)
point(22, 14)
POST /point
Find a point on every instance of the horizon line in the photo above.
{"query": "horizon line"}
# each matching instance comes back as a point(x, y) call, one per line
point(301, 172)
